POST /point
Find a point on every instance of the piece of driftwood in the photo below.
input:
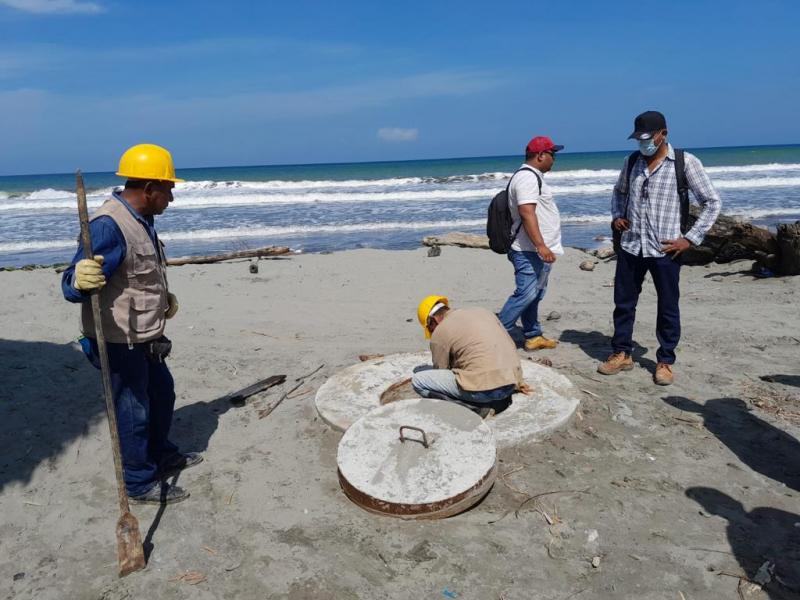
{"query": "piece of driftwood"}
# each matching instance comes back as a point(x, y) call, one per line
point(789, 248)
point(265, 412)
point(215, 258)
point(239, 398)
point(456, 238)
point(729, 239)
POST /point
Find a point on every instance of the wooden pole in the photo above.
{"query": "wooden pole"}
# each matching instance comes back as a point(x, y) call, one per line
point(130, 552)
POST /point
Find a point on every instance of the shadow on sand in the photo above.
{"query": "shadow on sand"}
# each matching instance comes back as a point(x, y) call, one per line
point(51, 396)
point(761, 535)
point(793, 380)
point(761, 446)
point(597, 345)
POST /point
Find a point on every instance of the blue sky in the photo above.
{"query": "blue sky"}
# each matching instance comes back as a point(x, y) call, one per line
point(239, 83)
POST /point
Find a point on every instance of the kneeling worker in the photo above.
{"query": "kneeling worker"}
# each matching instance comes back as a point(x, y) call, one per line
point(475, 361)
point(129, 268)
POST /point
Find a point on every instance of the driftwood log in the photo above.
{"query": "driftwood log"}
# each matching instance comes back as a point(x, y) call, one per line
point(789, 248)
point(729, 239)
point(202, 260)
point(239, 397)
point(462, 240)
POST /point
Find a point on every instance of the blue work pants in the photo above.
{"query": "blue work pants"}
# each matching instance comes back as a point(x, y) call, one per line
point(144, 398)
point(665, 272)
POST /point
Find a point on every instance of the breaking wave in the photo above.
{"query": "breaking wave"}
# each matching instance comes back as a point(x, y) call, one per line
point(47, 200)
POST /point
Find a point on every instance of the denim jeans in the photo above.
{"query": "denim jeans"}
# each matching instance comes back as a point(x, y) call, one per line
point(144, 398)
point(628, 285)
point(442, 384)
point(530, 274)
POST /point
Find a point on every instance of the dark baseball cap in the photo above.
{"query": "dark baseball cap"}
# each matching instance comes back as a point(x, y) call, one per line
point(646, 124)
point(542, 143)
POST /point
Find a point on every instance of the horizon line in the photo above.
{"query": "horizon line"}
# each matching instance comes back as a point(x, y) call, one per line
point(409, 160)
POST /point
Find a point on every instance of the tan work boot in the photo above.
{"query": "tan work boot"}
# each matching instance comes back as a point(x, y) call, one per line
point(619, 361)
point(540, 343)
point(663, 374)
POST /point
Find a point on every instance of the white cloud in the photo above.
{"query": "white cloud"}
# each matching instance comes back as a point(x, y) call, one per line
point(43, 7)
point(397, 134)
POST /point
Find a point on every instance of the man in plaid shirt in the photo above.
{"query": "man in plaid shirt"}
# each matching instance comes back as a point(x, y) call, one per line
point(646, 210)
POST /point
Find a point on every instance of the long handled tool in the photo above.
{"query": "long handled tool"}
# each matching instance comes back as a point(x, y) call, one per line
point(129, 541)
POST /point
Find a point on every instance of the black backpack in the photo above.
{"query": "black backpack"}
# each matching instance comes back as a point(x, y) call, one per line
point(683, 193)
point(499, 220)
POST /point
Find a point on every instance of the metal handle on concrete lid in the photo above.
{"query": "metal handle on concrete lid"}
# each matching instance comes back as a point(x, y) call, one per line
point(423, 441)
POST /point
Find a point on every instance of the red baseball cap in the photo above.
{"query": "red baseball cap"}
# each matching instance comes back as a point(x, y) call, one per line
point(542, 143)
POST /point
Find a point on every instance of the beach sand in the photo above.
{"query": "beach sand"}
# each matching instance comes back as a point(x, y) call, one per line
point(677, 490)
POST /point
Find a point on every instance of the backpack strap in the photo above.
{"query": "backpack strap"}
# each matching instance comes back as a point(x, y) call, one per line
point(683, 188)
point(632, 158)
point(538, 179)
point(508, 186)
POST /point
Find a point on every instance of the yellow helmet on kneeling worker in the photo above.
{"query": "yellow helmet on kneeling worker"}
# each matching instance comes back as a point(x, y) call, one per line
point(147, 161)
point(428, 306)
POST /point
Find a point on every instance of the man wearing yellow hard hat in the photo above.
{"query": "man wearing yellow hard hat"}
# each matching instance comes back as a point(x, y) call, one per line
point(129, 268)
point(475, 361)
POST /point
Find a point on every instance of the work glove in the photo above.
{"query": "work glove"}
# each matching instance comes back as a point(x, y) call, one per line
point(89, 274)
point(172, 306)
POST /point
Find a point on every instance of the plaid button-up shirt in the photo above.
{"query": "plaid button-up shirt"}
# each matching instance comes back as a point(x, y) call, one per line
point(653, 205)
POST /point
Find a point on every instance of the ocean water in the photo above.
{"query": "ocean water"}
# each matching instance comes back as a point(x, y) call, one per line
point(391, 205)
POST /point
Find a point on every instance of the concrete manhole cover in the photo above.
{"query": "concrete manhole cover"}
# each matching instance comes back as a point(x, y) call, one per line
point(417, 459)
point(356, 390)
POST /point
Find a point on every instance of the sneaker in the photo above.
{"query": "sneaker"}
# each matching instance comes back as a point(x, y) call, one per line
point(663, 374)
point(179, 462)
point(540, 343)
point(619, 361)
point(161, 493)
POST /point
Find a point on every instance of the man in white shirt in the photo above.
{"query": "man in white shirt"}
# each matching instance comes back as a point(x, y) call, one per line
point(537, 242)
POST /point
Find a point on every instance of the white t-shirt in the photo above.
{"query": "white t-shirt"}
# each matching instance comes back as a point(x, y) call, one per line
point(524, 189)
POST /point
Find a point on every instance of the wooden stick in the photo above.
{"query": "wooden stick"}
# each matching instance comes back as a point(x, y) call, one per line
point(215, 258)
point(130, 552)
point(265, 412)
point(238, 398)
point(535, 497)
point(304, 377)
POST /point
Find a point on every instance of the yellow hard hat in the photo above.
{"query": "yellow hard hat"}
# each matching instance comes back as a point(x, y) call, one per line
point(147, 161)
point(424, 310)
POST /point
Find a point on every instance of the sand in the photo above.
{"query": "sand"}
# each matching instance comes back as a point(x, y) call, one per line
point(669, 491)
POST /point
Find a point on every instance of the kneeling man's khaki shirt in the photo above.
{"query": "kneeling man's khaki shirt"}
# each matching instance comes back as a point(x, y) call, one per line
point(475, 345)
